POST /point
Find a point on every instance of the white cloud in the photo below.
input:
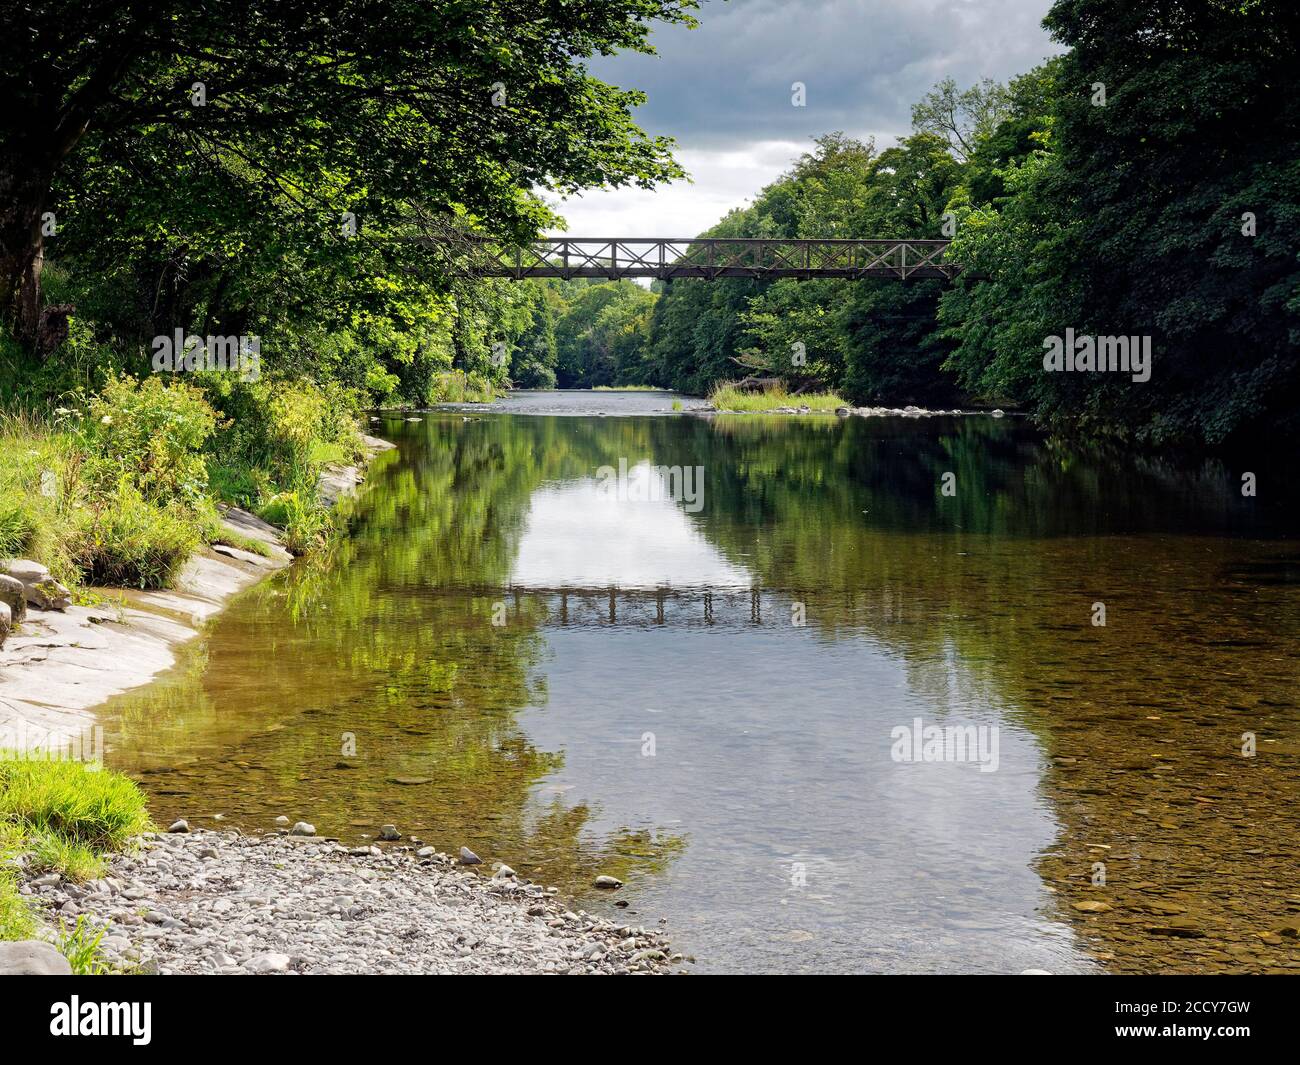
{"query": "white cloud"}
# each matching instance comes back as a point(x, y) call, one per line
point(723, 179)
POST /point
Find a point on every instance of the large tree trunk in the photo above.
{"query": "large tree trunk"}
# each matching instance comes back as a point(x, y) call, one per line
point(37, 138)
point(24, 195)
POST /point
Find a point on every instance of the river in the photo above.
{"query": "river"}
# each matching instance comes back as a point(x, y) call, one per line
point(699, 684)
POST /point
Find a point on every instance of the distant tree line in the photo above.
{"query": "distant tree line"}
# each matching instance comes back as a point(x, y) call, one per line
point(1145, 183)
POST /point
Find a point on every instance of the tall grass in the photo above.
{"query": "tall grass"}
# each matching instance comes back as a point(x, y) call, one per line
point(460, 387)
point(39, 492)
point(626, 388)
point(727, 396)
point(119, 488)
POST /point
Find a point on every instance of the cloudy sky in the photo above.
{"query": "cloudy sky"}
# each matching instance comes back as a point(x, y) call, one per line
point(723, 91)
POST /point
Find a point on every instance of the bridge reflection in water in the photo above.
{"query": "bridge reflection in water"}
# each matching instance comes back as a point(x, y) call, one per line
point(691, 607)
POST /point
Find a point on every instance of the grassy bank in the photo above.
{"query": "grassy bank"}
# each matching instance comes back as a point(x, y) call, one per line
point(458, 387)
point(121, 487)
point(728, 397)
point(63, 817)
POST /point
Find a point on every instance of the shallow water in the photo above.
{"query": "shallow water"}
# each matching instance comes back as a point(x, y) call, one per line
point(504, 656)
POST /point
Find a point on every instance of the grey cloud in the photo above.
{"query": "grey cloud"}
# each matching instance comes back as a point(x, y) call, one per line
point(865, 62)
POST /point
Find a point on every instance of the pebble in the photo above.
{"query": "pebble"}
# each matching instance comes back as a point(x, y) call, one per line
point(302, 828)
point(389, 832)
point(179, 826)
point(268, 963)
point(468, 857)
point(608, 882)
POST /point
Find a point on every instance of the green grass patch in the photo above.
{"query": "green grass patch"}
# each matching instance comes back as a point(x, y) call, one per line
point(306, 524)
point(79, 943)
point(17, 921)
point(728, 397)
point(238, 540)
point(65, 817)
point(69, 810)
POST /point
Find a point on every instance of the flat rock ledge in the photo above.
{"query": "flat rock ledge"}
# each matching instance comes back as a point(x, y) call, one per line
point(224, 903)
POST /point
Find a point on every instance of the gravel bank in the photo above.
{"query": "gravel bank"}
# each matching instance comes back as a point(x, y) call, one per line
point(209, 902)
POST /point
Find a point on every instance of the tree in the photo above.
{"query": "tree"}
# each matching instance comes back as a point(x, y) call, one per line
point(337, 105)
point(962, 119)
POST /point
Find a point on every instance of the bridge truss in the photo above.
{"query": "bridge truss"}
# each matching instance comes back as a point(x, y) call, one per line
point(612, 259)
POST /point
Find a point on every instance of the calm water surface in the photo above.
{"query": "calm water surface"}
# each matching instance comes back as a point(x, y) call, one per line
point(577, 685)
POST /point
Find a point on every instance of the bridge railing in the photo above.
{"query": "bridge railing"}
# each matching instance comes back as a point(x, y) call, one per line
point(613, 258)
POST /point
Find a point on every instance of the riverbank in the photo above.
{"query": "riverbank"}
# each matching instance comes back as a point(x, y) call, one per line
point(61, 663)
point(224, 903)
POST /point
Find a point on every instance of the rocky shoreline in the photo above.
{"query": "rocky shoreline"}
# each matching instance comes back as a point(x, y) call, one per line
point(867, 412)
point(225, 903)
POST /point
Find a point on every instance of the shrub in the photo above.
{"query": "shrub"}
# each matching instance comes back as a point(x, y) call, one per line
point(152, 433)
point(124, 539)
point(277, 434)
point(460, 387)
point(306, 524)
point(39, 488)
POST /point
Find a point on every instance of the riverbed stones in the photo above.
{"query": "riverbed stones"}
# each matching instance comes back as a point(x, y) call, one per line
point(302, 828)
point(468, 857)
point(282, 821)
point(39, 588)
point(32, 957)
point(179, 826)
point(270, 904)
point(14, 597)
point(389, 833)
point(609, 883)
point(6, 622)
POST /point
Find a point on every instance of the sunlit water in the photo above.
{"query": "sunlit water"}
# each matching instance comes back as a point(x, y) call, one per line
point(697, 695)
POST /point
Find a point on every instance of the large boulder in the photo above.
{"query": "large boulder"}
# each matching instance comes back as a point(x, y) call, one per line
point(13, 595)
point(39, 588)
point(6, 623)
point(32, 957)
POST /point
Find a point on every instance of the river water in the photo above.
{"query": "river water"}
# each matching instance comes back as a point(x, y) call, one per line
point(699, 684)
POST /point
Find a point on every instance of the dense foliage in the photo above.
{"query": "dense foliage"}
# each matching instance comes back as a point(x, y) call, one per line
point(1146, 184)
point(182, 183)
point(243, 169)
